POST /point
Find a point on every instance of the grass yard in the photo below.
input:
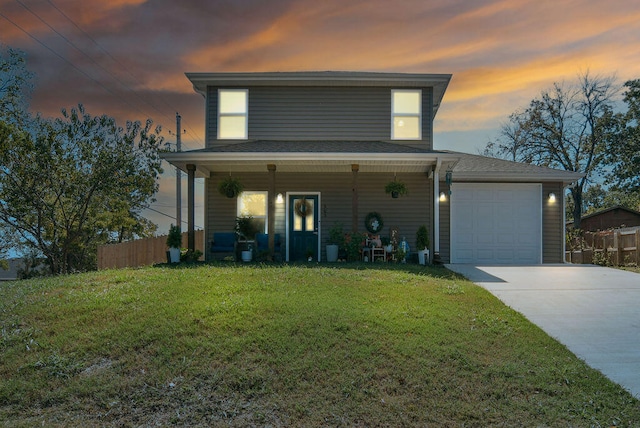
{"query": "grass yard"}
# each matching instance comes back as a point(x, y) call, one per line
point(340, 345)
point(635, 269)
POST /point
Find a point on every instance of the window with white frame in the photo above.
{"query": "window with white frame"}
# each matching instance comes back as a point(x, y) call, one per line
point(233, 112)
point(254, 204)
point(406, 114)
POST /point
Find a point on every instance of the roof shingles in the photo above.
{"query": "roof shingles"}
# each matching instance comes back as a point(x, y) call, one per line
point(314, 147)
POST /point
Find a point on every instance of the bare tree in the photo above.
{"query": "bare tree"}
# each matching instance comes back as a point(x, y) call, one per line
point(563, 128)
point(623, 151)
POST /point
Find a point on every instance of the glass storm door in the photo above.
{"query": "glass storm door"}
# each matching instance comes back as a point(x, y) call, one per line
point(303, 227)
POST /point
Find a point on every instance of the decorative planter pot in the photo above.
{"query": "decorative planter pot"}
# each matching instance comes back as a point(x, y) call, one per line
point(247, 255)
point(332, 253)
point(174, 255)
point(395, 195)
point(423, 256)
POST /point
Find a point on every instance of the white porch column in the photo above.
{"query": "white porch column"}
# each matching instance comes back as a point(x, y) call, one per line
point(271, 210)
point(436, 207)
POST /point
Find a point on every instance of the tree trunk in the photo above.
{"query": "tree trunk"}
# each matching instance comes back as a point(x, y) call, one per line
point(576, 192)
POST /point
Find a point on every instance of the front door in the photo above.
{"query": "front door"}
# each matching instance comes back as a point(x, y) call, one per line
point(303, 227)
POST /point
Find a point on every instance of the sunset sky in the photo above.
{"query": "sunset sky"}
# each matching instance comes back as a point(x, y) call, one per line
point(127, 58)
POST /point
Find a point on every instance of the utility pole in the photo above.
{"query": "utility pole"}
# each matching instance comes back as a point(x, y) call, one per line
point(178, 175)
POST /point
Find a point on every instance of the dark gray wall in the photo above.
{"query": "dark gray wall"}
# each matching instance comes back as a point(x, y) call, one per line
point(552, 224)
point(320, 113)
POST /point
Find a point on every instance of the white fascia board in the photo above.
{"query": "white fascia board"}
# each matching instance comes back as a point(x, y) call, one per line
point(323, 78)
point(207, 160)
point(565, 177)
point(203, 157)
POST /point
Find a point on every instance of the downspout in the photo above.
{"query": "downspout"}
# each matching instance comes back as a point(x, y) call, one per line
point(436, 207)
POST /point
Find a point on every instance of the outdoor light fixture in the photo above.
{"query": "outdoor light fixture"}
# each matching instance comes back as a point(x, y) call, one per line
point(448, 177)
point(552, 197)
point(443, 197)
point(279, 198)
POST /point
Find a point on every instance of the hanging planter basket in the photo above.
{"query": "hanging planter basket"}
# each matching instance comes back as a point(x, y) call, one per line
point(230, 187)
point(396, 188)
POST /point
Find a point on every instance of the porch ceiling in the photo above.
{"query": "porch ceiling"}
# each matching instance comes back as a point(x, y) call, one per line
point(313, 162)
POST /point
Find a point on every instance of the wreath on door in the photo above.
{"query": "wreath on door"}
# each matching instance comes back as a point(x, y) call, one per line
point(302, 207)
point(373, 222)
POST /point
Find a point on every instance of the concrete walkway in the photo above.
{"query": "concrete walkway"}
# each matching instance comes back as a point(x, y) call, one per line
point(594, 311)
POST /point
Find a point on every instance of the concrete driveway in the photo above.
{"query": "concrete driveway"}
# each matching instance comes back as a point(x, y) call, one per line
point(593, 310)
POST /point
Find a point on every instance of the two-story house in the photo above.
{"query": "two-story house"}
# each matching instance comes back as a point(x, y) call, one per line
point(317, 148)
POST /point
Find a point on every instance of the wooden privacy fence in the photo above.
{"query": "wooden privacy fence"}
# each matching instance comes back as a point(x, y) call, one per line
point(141, 252)
point(617, 247)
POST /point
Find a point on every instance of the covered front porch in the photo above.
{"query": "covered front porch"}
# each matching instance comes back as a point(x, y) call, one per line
point(340, 186)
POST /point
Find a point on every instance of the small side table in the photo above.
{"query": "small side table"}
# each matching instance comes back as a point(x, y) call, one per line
point(374, 253)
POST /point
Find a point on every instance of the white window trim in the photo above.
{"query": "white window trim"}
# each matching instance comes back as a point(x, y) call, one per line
point(245, 114)
point(416, 115)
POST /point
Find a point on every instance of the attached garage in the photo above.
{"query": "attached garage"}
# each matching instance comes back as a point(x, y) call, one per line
point(496, 223)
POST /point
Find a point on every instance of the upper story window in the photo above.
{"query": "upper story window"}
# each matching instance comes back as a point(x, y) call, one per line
point(406, 114)
point(233, 112)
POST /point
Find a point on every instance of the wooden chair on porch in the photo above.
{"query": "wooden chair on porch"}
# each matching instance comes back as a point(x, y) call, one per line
point(373, 249)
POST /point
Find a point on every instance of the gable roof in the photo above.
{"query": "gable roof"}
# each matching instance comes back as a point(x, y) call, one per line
point(372, 156)
point(311, 156)
point(320, 146)
point(476, 167)
point(438, 82)
point(606, 210)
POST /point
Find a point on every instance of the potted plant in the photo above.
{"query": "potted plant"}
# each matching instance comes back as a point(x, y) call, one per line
point(396, 188)
point(422, 243)
point(336, 240)
point(190, 256)
point(230, 187)
point(386, 243)
point(246, 228)
point(353, 243)
point(309, 254)
point(174, 242)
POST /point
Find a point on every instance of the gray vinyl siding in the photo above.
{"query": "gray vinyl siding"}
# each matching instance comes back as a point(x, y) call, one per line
point(406, 213)
point(321, 113)
point(552, 224)
point(427, 119)
point(211, 121)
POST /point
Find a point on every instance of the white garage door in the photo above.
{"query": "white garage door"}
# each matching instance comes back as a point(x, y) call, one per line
point(496, 223)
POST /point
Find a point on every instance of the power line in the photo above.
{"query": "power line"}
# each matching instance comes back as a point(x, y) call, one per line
point(87, 74)
point(120, 65)
point(56, 54)
point(170, 216)
point(113, 76)
point(87, 35)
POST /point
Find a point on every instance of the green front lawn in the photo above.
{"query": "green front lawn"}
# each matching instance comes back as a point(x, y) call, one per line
point(227, 345)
